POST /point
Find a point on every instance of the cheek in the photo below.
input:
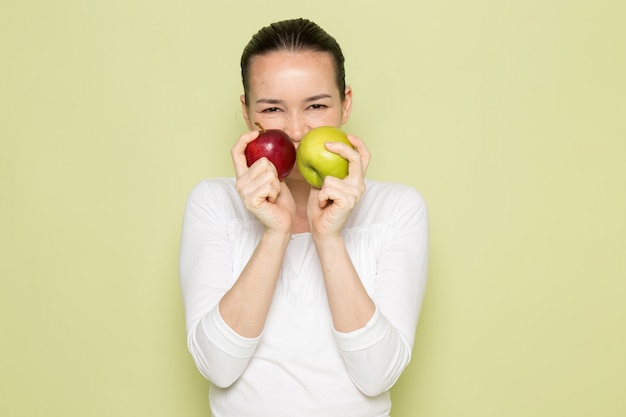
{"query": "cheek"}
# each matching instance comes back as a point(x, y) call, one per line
point(268, 121)
point(332, 117)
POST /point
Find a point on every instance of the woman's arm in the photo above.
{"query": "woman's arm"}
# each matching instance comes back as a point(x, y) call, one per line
point(328, 210)
point(377, 354)
point(206, 274)
point(225, 316)
point(245, 306)
point(350, 305)
point(374, 335)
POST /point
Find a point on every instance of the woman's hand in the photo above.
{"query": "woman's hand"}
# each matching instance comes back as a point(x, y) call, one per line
point(329, 208)
point(262, 193)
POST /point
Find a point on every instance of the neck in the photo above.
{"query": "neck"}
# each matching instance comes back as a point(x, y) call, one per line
point(300, 190)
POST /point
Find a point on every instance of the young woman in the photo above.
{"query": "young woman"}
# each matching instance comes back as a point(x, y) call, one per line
point(301, 301)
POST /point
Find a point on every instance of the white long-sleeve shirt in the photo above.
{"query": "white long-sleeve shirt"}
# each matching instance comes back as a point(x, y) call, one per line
point(300, 365)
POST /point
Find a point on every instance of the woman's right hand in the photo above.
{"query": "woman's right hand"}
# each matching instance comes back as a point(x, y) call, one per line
point(263, 194)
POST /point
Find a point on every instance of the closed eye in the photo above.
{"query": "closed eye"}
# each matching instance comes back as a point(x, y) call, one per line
point(270, 110)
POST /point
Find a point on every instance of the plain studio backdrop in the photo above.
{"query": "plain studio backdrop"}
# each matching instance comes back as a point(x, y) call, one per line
point(509, 117)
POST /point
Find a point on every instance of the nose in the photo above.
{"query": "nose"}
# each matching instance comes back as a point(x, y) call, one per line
point(296, 128)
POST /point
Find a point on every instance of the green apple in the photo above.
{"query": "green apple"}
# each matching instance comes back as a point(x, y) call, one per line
point(315, 162)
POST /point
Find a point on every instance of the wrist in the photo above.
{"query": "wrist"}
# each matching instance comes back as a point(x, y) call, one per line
point(327, 242)
point(276, 237)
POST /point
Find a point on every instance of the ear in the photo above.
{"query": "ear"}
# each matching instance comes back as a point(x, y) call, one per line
point(346, 105)
point(244, 109)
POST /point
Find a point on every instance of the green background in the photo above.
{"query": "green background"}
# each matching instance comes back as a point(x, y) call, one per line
point(509, 117)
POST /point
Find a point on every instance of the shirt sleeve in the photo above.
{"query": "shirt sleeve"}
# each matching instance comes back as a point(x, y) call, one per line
point(377, 354)
point(206, 274)
point(220, 354)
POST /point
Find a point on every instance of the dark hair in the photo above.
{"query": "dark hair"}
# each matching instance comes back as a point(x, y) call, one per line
point(293, 35)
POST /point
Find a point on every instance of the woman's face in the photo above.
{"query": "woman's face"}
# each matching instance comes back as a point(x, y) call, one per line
point(295, 92)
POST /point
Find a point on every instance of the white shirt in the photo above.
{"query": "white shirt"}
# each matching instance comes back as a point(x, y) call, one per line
point(300, 365)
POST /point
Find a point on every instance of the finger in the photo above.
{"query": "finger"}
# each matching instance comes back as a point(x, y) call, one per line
point(340, 192)
point(238, 151)
point(362, 150)
point(261, 171)
point(321, 195)
point(314, 197)
point(358, 156)
point(343, 150)
point(260, 188)
point(262, 165)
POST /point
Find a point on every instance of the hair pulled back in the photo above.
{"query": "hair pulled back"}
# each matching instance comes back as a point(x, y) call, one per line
point(293, 35)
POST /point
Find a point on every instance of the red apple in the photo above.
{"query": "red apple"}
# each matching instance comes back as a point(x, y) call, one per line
point(276, 146)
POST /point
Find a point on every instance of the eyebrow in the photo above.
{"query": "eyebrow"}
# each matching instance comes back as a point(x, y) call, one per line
point(269, 101)
point(306, 100)
point(317, 97)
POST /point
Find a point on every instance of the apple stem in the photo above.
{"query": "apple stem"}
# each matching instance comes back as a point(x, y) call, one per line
point(260, 126)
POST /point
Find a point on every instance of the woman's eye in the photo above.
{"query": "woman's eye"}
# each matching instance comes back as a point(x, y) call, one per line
point(271, 110)
point(317, 106)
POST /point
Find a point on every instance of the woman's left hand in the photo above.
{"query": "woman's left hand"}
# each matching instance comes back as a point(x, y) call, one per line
point(329, 207)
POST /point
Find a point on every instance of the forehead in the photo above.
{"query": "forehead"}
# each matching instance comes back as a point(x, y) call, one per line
point(281, 72)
